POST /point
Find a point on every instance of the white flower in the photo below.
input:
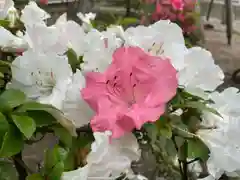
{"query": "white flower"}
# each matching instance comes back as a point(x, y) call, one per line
point(44, 77)
point(5, 5)
point(45, 39)
point(163, 38)
point(107, 160)
point(98, 55)
point(200, 72)
point(86, 19)
point(118, 30)
point(223, 138)
point(74, 107)
point(10, 42)
point(32, 14)
point(72, 34)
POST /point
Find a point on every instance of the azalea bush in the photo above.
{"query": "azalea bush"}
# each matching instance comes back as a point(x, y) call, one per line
point(104, 93)
point(181, 12)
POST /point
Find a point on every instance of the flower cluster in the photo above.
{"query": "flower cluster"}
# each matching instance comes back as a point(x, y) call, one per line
point(119, 81)
point(181, 12)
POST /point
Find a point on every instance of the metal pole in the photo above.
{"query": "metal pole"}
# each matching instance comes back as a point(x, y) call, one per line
point(229, 29)
point(209, 9)
point(128, 8)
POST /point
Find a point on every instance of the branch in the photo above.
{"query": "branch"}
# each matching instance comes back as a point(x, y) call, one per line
point(20, 166)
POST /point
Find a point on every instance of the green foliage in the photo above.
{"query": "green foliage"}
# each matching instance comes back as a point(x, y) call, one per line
point(64, 136)
point(128, 21)
point(10, 99)
point(197, 149)
point(4, 23)
point(25, 124)
point(54, 163)
point(12, 142)
point(73, 59)
point(164, 127)
point(35, 177)
point(7, 171)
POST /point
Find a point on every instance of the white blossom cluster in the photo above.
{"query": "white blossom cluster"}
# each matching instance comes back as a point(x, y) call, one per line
point(43, 73)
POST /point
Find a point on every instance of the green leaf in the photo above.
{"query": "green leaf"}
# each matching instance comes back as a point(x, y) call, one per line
point(57, 114)
point(53, 157)
point(69, 163)
point(56, 172)
point(25, 124)
point(35, 177)
point(42, 118)
point(1, 75)
point(5, 63)
point(63, 134)
point(73, 59)
point(83, 140)
point(197, 149)
point(152, 131)
point(12, 143)
point(164, 128)
point(201, 106)
point(10, 99)
point(128, 21)
point(4, 23)
point(170, 148)
point(3, 127)
point(7, 171)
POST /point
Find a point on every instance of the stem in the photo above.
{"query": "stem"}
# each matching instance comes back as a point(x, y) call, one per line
point(185, 163)
point(20, 166)
point(179, 162)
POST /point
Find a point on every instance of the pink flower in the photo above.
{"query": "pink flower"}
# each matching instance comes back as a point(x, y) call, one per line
point(177, 4)
point(133, 90)
point(44, 1)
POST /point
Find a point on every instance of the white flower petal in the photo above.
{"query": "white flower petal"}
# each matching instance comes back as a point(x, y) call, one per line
point(79, 174)
point(5, 5)
point(32, 14)
point(199, 66)
point(41, 75)
point(74, 107)
point(11, 43)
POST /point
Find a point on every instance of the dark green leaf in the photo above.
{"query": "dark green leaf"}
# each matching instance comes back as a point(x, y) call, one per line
point(35, 177)
point(25, 124)
point(12, 143)
point(7, 171)
point(83, 140)
point(56, 172)
point(42, 118)
point(3, 127)
point(170, 148)
point(10, 99)
point(197, 149)
point(63, 134)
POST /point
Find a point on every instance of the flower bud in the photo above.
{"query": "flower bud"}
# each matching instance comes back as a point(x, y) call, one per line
point(12, 16)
